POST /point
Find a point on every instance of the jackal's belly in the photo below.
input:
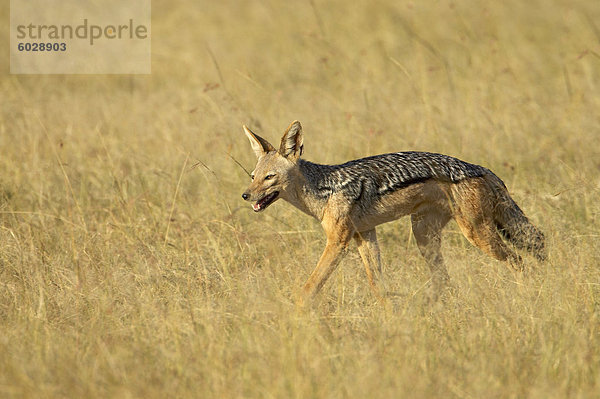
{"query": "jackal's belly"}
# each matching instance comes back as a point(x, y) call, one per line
point(402, 202)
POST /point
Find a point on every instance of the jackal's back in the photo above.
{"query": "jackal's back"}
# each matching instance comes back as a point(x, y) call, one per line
point(381, 174)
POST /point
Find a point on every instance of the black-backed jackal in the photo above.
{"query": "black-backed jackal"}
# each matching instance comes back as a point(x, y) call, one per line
point(351, 199)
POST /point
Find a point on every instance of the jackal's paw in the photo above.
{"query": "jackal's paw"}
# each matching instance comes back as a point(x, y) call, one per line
point(302, 302)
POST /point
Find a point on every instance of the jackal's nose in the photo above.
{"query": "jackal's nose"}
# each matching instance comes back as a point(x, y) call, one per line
point(245, 196)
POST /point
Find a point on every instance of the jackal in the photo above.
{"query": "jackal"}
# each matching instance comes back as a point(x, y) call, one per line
point(351, 199)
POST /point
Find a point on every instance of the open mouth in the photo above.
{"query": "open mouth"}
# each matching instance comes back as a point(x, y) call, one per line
point(265, 201)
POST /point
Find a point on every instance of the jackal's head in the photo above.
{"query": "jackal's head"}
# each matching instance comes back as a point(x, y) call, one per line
point(275, 170)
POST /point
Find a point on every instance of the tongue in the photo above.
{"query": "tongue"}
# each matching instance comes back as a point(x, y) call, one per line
point(256, 207)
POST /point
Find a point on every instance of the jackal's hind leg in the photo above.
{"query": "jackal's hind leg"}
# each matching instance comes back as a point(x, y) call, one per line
point(484, 235)
point(427, 225)
point(368, 248)
point(474, 214)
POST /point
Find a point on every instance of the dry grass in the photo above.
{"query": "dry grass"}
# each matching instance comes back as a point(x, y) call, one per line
point(130, 267)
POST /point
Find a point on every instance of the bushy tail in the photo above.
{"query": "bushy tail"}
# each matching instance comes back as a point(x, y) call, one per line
point(513, 224)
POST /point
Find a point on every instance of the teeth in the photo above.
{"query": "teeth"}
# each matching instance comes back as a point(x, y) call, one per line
point(256, 207)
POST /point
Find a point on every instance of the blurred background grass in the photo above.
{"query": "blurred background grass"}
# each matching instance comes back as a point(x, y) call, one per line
point(130, 267)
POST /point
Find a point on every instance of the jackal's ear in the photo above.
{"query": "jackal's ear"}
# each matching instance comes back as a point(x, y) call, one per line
point(259, 145)
point(292, 142)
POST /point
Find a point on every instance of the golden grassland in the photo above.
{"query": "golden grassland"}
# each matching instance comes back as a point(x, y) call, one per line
point(130, 266)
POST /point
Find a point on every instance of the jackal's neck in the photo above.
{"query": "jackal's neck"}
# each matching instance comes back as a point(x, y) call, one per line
point(304, 190)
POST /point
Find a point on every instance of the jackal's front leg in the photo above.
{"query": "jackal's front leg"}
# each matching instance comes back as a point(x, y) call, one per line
point(369, 252)
point(329, 260)
point(338, 237)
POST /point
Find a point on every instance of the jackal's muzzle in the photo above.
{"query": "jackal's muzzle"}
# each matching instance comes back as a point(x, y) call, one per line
point(262, 203)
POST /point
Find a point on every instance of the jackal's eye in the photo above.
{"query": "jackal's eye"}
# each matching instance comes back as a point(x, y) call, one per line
point(251, 177)
point(269, 177)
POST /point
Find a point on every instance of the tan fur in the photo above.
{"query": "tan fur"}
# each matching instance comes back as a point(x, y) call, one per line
point(473, 203)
